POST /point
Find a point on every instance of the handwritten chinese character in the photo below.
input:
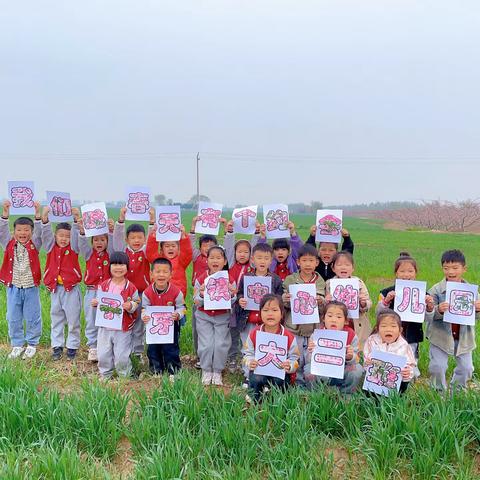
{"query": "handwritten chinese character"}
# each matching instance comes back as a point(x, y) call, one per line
point(110, 308)
point(217, 289)
point(257, 291)
point(276, 220)
point(161, 323)
point(245, 215)
point(462, 303)
point(411, 296)
point(138, 202)
point(383, 374)
point(209, 217)
point(168, 222)
point(304, 303)
point(94, 219)
point(22, 197)
point(271, 354)
point(329, 225)
point(347, 295)
point(61, 207)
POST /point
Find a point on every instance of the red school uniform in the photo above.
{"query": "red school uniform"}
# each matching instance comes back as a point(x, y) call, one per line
point(128, 293)
point(6, 272)
point(62, 262)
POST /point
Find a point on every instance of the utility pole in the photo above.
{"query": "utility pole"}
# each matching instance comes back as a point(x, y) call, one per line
point(198, 178)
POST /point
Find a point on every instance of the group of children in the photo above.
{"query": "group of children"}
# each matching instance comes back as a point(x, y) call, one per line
point(132, 263)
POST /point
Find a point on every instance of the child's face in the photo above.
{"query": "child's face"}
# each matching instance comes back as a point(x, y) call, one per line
point(205, 246)
point(216, 261)
point(307, 264)
point(389, 330)
point(99, 243)
point(326, 251)
point(334, 318)
point(343, 268)
point(242, 253)
point(271, 314)
point(281, 254)
point(62, 238)
point(23, 233)
point(161, 275)
point(136, 240)
point(262, 261)
point(454, 271)
point(170, 249)
point(406, 271)
point(118, 270)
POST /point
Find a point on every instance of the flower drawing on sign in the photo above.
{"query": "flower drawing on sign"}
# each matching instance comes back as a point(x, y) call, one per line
point(94, 219)
point(217, 289)
point(271, 352)
point(329, 225)
point(411, 297)
point(110, 308)
point(462, 303)
point(21, 197)
point(168, 222)
point(304, 303)
point(383, 374)
point(257, 291)
point(276, 220)
point(138, 202)
point(245, 215)
point(61, 207)
point(347, 295)
point(209, 217)
point(161, 323)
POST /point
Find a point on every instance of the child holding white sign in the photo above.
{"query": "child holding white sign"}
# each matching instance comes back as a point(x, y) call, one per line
point(450, 339)
point(114, 347)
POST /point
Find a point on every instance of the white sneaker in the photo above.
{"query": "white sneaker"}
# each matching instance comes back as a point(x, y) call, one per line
point(245, 385)
point(30, 351)
point(217, 379)
point(16, 352)
point(206, 378)
point(92, 355)
point(171, 378)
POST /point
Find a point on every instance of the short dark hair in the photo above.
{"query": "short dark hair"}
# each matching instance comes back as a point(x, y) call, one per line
point(23, 221)
point(242, 241)
point(281, 243)
point(307, 250)
point(119, 258)
point(404, 257)
point(220, 249)
point(271, 297)
point(335, 303)
point(161, 261)
point(344, 254)
point(451, 256)
point(135, 228)
point(262, 247)
point(207, 238)
point(384, 313)
point(63, 226)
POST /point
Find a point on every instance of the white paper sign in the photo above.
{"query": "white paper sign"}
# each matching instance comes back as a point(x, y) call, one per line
point(60, 206)
point(303, 303)
point(328, 356)
point(346, 290)
point(254, 289)
point(384, 376)
point(160, 327)
point(270, 352)
point(275, 217)
point(95, 219)
point(244, 220)
point(138, 204)
point(169, 221)
point(217, 295)
point(109, 310)
point(410, 300)
point(461, 298)
point(329, 226)
point(22, 197)
point(209, 218)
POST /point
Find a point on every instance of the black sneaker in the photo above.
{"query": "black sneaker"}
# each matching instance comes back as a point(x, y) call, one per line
point(71, 353)
point(57, 353)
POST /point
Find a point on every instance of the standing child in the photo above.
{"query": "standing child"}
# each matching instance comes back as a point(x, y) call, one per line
point(387, 337)
point(114, 347)
point(272, 314)
point(450, 339)
point(62, 276)
point(133, 244)
point(343, 267)
point(335, 317)
point(164, 293)
point(212, 325)
point(21, 275)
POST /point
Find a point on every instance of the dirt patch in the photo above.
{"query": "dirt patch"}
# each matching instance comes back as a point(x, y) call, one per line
point(394, 225)
point(122, 465)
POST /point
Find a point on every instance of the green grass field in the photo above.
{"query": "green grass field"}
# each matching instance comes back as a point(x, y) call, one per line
point(58, 422)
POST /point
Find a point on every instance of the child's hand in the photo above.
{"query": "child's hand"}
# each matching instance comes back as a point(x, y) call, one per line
point(311, 345)
point(286, 297)
point(406, 373)
point(182, 231)
point(363, 300)
point(390, 296)
point(175, 316)
point(201, 290)
point(243, 302)
point(223, 221)
point(349, 353)
point(263, 231)
point(253, 364)
point(122, 214)
point(320, 299)
point(286, 366)
point(443, 307)
point(257, 227)
point(429, 302)
point(111, 225)
point(229, 226)
point(152, 215)
point(291, 227)
point(145, 318)
point(127, 306)
point(94, 302)
point(76, 214)
point(345, 233)
point(38, 209)
point(328, 297)
point(477, 306)
point(6, 208)
point(46, 211)
point(313, 230)
point(194, 223)
point(80, 226)
point(232, 289)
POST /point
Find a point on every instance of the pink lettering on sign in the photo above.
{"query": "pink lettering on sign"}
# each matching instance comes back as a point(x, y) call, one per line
point(347, 295)
point(245, 215)
point(328, 359)
point(168, 222)
point(257, 291)
point(138, 202)
point(462, 303)
point(94, 219)
point(217, 289)
point(161, 323)
point(209, 217)
point(272, 350)
point(383, 374)
point(329, 343)
point(110, 308)
point(329, 225)
point(60, 206)
point(21, 197)
point(304, 303)
point(276, 220)
point(411, 298)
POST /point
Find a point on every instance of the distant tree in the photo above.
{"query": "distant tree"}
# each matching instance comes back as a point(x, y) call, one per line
point(193, 200)
point(160, 199)
point(315, 205)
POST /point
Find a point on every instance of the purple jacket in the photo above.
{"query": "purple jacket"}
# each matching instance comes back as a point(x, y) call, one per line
point(295, 245)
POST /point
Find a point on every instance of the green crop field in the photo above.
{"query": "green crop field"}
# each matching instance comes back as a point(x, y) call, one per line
point(58, 422)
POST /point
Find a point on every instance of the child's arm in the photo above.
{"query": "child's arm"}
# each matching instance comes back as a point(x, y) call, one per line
point(351, 355)
point(145, 303)
point(180, 306)
point(407, 371)
point(367, 351)
point(311, 238)
point(48, 237)
point(119, 244)
point(152, 249)
point(84, 244)
point(436, 315)
point(131, 305)
point(5, 235)
point(193, 239)
point(364, 297)
point(37, 227)
point(185, 255)
point(347, 244)
point(229, 243)
point(293, 356)
point(296, 242)
point(198, 294)
point(277, 285)
point(111, 227)
point(286, 293)
point(248, 351)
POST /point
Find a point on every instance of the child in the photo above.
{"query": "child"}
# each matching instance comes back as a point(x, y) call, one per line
point(335, 317)
point(115, 346)
point(62, 276)
point(387, 337)
point(139, 268)
point(96, 251)
point(247, 320)
point(307, 263)
point(272, 313)
point(327, 250)
point(212, 325)
point(405, 269)
point(163, 292)
point(450, 339)
point(343, 267)
point(21, 275)
point(285, 252)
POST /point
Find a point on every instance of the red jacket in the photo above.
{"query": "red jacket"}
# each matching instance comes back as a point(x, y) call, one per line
point(238, 270)
point(6, 272)
point(128, 293)
point(179, 263)
point(97, 269)
point(200, 267)
point(139, 269)
point(165, 299)
point(63, 262)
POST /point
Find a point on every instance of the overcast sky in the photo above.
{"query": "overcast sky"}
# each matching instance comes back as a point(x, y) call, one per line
point(338, 101)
